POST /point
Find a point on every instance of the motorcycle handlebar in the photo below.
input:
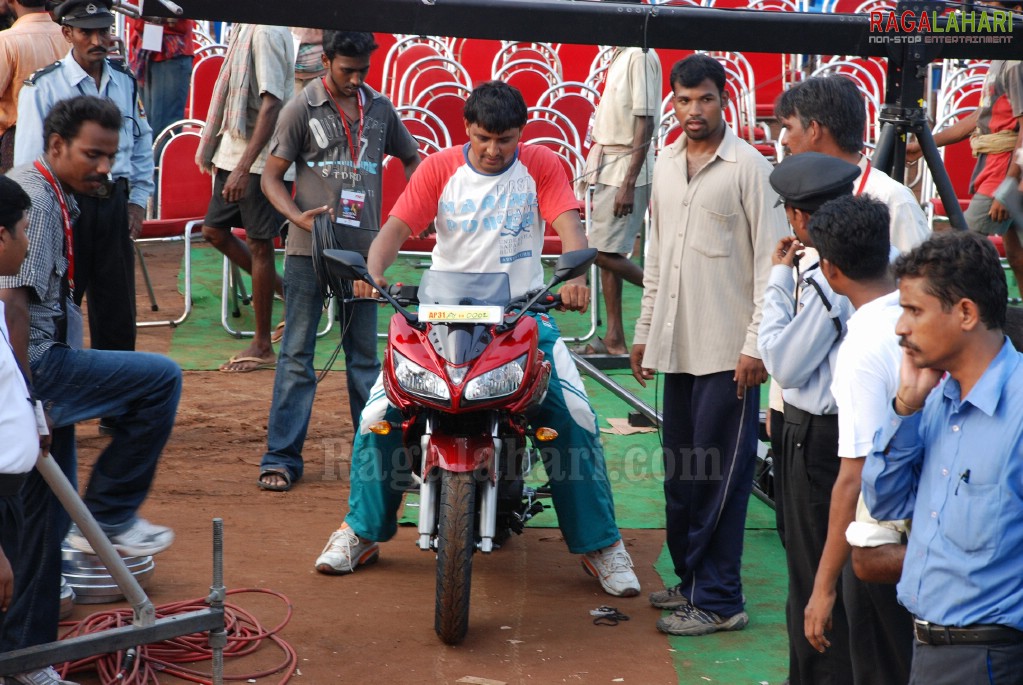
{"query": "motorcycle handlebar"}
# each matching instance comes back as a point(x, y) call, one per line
point(407, 295)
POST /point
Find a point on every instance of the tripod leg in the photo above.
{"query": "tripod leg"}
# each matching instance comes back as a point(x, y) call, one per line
point(942, 182)
point(884, 151)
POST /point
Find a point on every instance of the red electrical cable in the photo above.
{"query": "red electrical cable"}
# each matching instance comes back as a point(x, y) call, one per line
point(245, 635)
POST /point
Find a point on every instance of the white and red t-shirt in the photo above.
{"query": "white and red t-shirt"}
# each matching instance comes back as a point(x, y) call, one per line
point(488, 223)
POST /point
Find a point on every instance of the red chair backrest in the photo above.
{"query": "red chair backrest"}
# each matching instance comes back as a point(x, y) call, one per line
point(184, 191)
point(200, 91)
point(477, 56)
point(375, 77)
point(450, 109)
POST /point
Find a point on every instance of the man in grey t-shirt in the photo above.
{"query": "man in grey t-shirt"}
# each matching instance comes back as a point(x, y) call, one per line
point(337, 132)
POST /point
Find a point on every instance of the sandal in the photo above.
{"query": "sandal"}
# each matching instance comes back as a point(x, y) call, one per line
point(273, 487)
point(277, 334)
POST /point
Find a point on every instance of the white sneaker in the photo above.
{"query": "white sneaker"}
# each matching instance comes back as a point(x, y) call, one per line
point(345, 551)
point(142, 539)
point(45, 676)
point(612, 566)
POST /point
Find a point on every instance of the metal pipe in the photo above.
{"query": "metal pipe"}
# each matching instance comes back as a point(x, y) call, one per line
point(144, 613)
point(597, 23)
point(218, 594)
point(641, 406)
point(618, 391)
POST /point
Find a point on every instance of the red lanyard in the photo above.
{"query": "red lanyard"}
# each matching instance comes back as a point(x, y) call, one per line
point(863, 179)
point(69, 241)
point(353, 145)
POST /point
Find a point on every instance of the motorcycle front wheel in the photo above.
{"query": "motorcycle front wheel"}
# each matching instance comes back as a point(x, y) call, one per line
point(456, 541)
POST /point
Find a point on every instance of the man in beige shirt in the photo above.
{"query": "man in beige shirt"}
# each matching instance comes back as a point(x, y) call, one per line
point(715, 222)
point(33, 42)
point(624, 159)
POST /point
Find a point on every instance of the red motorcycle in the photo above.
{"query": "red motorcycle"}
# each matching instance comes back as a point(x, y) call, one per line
point(465, 372)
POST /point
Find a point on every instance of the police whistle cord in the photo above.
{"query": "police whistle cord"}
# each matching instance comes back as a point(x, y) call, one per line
point(140, 666)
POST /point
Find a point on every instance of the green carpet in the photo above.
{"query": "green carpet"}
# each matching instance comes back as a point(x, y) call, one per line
point(635, 470)
point(758, 654)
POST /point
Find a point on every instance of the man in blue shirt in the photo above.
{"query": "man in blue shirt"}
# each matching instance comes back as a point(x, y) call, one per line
point(949, 455)
point(111, 217)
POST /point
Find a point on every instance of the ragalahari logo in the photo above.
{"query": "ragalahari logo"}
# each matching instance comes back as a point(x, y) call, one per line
point(984, 26)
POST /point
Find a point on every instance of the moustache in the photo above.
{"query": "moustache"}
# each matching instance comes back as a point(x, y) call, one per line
point(908, 345)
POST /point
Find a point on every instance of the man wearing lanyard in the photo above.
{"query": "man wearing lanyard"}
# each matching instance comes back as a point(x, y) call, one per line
point(337, 132)
point(826, 114)
point(257, 78)
point(139, 390)
point(112, 215)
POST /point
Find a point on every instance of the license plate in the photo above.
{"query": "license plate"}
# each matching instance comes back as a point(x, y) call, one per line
point(436, 313)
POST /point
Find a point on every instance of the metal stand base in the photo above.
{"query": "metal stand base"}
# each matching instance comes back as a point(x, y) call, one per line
point(146, 627)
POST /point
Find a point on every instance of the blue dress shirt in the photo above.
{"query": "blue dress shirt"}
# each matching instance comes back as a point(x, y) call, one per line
point(799, 347)
point(957, 468)
point(134, 159)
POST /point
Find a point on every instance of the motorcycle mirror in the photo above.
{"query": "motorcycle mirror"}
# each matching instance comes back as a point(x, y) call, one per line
point(346, 264)
point(573, 264)
point(352, 266)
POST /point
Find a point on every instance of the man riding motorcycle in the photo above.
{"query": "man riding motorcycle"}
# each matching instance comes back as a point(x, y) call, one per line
point(490, 200)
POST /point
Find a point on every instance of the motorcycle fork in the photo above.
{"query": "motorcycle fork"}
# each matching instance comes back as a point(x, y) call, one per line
point(488, 493)
point(487, 484)
point(427, 493)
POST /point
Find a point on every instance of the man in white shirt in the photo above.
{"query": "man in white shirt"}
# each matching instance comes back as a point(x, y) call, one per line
point(850, 234)
point(826, 114)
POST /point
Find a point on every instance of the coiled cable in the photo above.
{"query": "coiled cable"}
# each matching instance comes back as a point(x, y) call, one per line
point(245, 636)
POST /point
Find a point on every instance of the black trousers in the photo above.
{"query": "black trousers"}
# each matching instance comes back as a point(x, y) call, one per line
point(804, 475)
point(881, 632)
point(710, 446)
point(776, 419)
point(105, 269)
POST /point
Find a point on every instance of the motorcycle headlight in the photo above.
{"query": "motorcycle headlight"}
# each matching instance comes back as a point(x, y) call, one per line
point(419, 381)
point(504, 380)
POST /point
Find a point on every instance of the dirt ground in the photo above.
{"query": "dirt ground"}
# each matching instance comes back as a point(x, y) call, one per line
point(530, 620)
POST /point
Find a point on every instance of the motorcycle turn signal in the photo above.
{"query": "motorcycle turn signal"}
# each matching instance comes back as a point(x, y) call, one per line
point(380, 427)
point(543, 434)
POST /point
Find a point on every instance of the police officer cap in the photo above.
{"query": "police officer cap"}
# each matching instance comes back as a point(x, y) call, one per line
point(808, 180)
point(85, 14)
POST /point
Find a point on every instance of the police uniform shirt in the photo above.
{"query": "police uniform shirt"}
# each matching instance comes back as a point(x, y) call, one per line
point(66, 79)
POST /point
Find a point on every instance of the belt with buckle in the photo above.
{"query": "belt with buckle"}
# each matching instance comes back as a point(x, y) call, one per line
point(934, 634)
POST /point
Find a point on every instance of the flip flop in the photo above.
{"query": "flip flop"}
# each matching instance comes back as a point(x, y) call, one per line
point(257, 364)
point(283, 473)
point(278, 333)
point(595, 347)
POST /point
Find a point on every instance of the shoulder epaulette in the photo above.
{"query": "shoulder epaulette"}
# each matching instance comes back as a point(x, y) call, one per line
point(120, 66)
point(31, 80)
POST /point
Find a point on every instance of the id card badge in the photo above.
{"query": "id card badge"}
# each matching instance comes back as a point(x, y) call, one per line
point(349, 210)
point(75, 328)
